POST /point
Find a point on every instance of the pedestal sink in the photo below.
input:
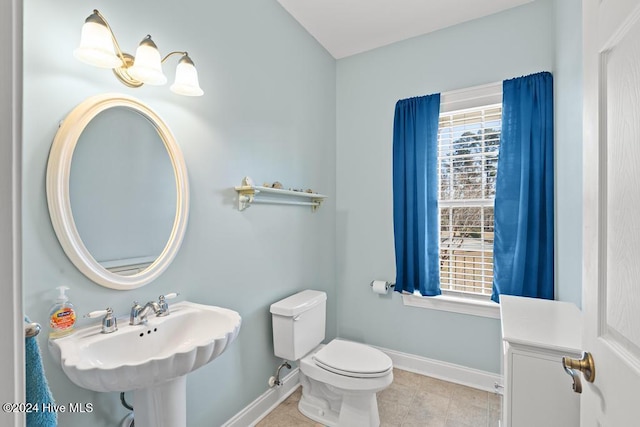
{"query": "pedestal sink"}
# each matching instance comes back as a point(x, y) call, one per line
point(151, 360)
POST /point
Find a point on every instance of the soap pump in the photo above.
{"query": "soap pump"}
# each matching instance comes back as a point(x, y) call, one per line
point(62, 316)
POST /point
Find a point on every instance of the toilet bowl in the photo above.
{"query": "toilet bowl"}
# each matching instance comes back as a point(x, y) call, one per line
point(340, 379)
point(340, 382)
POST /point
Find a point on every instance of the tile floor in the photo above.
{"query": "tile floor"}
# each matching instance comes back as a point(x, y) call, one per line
point(412, 400)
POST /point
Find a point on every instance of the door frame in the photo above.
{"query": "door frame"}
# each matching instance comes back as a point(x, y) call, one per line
point(12, 374)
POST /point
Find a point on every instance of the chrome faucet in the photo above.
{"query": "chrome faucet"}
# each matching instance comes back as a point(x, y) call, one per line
point(161, 308)
point(109, 322)
point(139, 313)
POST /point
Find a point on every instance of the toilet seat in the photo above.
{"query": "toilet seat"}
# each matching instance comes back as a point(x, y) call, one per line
point(353, 359)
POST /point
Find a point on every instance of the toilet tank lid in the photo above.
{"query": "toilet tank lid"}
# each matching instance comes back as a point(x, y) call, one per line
point(298, 303)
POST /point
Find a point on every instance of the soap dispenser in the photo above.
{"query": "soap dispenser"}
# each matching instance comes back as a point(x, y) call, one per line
point(62, 316)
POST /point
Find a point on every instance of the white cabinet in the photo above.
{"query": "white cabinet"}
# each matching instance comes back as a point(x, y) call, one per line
point(536, 335)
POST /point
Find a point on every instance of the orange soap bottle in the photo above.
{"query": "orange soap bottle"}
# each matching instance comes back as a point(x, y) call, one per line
point(62, 316)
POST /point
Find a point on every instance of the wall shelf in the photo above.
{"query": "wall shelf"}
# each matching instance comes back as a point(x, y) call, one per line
point(249, 194)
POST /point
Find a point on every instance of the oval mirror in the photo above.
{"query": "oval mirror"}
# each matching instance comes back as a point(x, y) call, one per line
point(117, 191)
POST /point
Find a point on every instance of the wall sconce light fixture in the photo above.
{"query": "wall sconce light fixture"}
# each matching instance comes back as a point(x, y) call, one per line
point(99, 47)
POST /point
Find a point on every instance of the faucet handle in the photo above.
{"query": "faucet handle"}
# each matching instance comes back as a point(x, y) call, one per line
point(164, 307)
point(109, 323)
point(98, 313)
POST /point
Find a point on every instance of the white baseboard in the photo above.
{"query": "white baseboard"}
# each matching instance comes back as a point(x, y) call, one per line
point(266, 402)
point(445, 371)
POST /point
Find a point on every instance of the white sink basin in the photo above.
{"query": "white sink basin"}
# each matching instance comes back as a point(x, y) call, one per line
point(143, 356)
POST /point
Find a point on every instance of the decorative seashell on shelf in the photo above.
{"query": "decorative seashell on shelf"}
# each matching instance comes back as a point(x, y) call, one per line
point(277, 184)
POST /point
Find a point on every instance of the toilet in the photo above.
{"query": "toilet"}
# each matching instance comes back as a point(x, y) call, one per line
point(340, 379)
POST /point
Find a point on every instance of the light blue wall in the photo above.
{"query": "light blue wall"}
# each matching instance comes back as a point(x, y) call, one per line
point(516, 42)
point(568, 108)
point(268, 112)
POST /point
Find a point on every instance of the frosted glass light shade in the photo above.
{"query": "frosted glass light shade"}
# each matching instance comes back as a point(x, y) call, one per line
point(147, 65)
point(96, 45)
point(186, 82)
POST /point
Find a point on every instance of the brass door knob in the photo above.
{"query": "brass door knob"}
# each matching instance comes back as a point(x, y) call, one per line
point(584, 365)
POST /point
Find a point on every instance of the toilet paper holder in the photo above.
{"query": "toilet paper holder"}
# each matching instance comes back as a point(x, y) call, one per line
point(388, 285)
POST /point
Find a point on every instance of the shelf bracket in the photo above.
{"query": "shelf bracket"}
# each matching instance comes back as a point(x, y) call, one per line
point(245, 197)
point(316, 204)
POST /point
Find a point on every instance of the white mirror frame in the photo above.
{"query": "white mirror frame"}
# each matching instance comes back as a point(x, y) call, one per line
point(58, 174)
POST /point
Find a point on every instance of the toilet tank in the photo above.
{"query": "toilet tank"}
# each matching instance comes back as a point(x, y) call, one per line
point(298, 324)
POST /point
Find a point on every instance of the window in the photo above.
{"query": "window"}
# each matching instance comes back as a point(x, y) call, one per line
point(466, 149)
point(468, 145)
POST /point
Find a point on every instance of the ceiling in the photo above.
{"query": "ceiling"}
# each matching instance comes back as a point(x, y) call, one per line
point(348, 27)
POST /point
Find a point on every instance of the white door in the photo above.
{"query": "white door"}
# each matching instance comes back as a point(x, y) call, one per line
point(611, 272)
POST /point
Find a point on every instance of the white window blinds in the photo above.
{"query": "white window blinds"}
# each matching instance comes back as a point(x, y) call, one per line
point(468, 145)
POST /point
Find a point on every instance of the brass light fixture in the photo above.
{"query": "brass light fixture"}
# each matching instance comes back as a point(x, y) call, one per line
point(99, 47)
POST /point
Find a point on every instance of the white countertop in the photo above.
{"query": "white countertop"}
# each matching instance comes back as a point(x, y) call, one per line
point(554, 325)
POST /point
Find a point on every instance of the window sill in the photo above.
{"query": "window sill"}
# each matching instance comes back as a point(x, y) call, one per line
point(455, 304)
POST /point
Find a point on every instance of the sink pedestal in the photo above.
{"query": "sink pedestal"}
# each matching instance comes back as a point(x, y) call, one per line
point(163, 405)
